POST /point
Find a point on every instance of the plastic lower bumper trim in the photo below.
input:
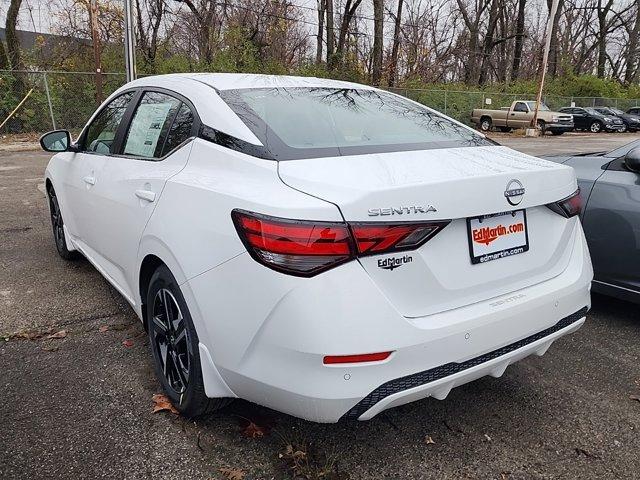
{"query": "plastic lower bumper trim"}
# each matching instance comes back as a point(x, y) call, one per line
point(410, 381)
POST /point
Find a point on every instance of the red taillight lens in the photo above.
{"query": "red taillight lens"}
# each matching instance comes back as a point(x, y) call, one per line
point(568, 207)
point(371, 238)
point(306, 248)
point(291, 246)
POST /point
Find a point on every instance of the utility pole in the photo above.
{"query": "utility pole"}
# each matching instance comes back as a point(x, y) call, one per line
point(95, 38)
point(129, 41)
point(545, 58)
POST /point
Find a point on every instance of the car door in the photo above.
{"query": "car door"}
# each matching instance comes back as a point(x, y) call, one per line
point(519, 117)
point(579, 117)
point(96, 144)
point(612, 226)
point(153, 148)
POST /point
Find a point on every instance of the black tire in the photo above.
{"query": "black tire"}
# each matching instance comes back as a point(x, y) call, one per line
point(179, 340)
point(557, 132)
point(485, 124)
point(505, 129)
point(595, 127)
point(623, 129)
point(57, 225)
point(541, 126)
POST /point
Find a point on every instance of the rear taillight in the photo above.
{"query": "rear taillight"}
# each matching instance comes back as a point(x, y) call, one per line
point(306, 248)
point(568, 207)
point(375, 238)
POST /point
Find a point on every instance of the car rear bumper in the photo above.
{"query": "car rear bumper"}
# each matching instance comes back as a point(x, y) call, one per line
point(268, 333)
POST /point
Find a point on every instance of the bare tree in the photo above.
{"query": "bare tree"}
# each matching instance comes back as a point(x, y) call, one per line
point(13, 46)
point(393, 64)
point(378, 22)
point(322, 7)
point(149, 21)
point(633, 50)
point(331, 36)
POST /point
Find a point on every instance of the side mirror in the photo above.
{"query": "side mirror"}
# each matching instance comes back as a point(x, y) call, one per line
point(632, 160)
point(56, 141)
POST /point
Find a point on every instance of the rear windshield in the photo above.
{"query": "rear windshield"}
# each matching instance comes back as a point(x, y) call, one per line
point(294, 123)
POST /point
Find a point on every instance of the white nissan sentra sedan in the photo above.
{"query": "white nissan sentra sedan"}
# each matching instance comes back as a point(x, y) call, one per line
point(323, 248)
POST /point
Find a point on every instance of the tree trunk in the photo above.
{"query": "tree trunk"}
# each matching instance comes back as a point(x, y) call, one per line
point(349, 12)
point(321, 14)
point(4, 60)
point(487, 45)
point(603, 12)
point(13, 47)
point(393, 66)
point(330, 35)
point(554, 49)
point(631, 73)
point(519, 44)
point(378, 15)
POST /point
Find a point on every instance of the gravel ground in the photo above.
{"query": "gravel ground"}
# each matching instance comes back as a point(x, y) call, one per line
point(81, 406)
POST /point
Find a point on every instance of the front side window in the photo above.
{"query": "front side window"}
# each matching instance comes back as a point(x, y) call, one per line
point(299, 122)
point(150, 125)
point(101, 133)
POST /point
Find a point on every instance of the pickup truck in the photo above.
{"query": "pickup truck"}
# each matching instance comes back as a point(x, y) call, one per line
point(519, 115)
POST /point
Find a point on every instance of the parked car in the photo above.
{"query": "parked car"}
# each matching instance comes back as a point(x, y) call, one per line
point(520, 115)
point(634, 111)
point(630, 122)
point(610, 187)
point(589, 119)
point(324, 248)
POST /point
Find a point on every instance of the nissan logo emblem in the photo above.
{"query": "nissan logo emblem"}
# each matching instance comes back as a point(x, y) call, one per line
point(514, 192)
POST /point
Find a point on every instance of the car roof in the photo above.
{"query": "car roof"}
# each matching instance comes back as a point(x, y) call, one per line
point(231, 81)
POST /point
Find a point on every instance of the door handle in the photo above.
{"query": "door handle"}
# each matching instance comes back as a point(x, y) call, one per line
point(89, 180)
point(147, 195)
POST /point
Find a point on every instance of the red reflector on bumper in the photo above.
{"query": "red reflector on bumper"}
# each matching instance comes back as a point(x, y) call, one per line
point(366, 357)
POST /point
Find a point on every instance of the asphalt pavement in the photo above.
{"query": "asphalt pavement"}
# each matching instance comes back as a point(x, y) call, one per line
point(81, 406)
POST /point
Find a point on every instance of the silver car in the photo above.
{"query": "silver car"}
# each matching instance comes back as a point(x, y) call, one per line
point(610, 190)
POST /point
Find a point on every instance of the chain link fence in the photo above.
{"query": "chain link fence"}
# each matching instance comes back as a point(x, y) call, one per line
point(67, 99)
point(55, 99)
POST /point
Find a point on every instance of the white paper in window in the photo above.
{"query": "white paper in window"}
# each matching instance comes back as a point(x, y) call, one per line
point(146, 128)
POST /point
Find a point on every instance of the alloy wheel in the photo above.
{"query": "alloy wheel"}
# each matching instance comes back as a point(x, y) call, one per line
point(595, 127)
point(171, 341)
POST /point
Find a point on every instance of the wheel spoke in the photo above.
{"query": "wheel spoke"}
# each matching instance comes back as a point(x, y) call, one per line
point(164, 357)
point(159, 325)
point(180, 333)
point(167, 309)
point(178, 371)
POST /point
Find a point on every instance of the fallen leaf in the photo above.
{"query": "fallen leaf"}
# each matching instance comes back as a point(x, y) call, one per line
point(293, 453)
point(161, 403)
point(127, 343)
point(60, 334)
point(634, 397)
point(52, 348)
point(487, 437)
point(232, 473)
point(103, 328)
point(254, 431)
point(428, 440)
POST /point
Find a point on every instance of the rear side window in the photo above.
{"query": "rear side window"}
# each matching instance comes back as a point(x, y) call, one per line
point(520, 107)
point(180, 129)
point(101, 133)
point(299, 122)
